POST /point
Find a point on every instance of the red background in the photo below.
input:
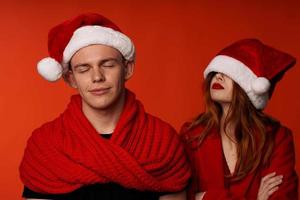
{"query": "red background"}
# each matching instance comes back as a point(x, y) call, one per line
point(175, 40)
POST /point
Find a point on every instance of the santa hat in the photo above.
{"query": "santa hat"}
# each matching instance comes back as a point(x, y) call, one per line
point(65, 39)
point(254, 66)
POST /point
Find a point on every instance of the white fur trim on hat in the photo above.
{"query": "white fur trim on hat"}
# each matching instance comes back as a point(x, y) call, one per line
point(49, 69)
point(255, 87)
point(88, 35)
point(260, 85)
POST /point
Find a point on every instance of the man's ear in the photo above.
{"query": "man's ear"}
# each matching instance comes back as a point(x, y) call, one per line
point(129, 68)
point(69, 79)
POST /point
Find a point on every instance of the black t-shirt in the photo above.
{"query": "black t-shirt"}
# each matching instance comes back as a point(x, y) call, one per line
point(107, 191)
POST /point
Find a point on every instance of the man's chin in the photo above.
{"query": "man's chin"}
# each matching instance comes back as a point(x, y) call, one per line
point(100, 105)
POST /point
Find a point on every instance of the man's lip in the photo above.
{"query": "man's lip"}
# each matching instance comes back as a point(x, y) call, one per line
point(217, 86)
point(98, 89)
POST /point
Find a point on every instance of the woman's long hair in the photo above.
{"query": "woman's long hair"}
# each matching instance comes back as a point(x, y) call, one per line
point(252, 134)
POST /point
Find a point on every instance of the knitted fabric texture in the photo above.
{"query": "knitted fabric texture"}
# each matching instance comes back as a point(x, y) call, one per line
point(143, 153)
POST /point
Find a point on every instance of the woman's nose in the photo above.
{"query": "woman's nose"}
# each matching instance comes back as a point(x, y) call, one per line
point(220, 76)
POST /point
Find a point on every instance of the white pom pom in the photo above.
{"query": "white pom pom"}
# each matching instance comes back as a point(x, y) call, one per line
point(49, 69)
point(260, 85)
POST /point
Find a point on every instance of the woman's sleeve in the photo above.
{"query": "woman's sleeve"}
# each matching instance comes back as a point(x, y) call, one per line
point(283, 163)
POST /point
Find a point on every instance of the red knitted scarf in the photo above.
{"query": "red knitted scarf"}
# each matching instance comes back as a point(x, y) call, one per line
point(143, 153)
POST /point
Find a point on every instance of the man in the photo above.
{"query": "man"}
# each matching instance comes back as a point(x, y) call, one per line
point(104, 145)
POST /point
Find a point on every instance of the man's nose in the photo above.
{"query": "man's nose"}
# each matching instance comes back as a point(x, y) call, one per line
point(98, 75)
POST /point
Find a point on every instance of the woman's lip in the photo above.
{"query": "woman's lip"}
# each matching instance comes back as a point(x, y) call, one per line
point(217, 86)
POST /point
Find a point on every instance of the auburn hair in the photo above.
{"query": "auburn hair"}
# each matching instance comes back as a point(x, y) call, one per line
point(253, 130)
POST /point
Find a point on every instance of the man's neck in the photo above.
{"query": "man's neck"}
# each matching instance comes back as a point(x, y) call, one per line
point(104, 121)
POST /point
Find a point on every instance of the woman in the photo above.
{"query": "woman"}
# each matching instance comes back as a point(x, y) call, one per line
point(237, 151)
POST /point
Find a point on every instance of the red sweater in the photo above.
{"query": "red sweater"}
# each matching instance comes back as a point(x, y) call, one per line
point(209, 167)
point(143, 153)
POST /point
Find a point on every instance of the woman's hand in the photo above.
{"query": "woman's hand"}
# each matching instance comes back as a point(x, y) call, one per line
point(268, 185)
point(200, 195)
point(174, 196)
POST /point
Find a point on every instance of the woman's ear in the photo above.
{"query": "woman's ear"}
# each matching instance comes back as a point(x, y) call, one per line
point(129, 68)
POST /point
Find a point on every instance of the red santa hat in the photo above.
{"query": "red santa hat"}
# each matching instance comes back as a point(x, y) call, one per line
point(65, 39)
point(254, 66)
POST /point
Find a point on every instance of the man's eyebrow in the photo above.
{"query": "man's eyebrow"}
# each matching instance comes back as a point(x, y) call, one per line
point(109, 59)
point(100, 63)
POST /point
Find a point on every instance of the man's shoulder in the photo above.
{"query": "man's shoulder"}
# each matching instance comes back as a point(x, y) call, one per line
point(161, 124)
point(49, 126)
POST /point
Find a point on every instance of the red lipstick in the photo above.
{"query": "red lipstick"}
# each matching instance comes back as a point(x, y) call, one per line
point(217, 86)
